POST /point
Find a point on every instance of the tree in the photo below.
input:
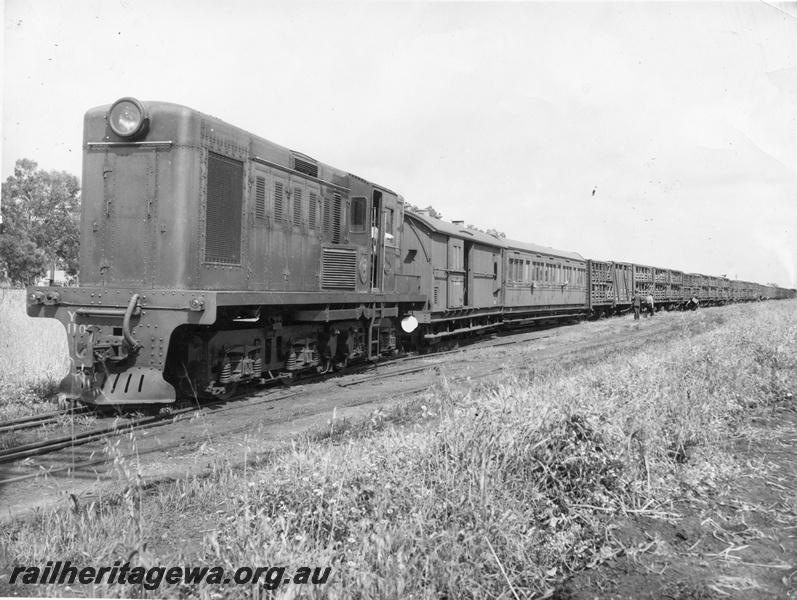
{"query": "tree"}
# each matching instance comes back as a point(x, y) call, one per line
point(41, 219)
point(21, 260)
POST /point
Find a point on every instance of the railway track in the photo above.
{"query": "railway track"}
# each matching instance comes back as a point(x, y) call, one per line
point(47, 446)
point(42, 419)
point(213, 409)
point(52, 445)
point(40, 448)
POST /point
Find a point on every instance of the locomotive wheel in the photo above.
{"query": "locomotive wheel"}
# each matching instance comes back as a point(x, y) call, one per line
point(288, 379)
point(325, 367)
point(229, 391)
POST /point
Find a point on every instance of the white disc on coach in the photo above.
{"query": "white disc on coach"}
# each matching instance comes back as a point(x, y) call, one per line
point(409, 324)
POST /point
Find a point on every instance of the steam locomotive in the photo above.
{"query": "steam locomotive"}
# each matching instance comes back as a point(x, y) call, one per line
point(211, 258)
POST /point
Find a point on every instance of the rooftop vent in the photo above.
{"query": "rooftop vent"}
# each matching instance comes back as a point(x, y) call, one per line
point(306, 165)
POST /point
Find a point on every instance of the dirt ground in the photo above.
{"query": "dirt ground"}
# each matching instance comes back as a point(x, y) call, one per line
point(739, 542)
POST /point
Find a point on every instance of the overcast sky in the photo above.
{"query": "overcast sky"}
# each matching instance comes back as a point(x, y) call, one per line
point(658, 133)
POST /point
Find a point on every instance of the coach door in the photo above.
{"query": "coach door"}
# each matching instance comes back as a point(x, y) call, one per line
point(456, 273)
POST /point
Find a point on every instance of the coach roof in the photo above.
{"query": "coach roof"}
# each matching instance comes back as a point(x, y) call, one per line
point(487, 239)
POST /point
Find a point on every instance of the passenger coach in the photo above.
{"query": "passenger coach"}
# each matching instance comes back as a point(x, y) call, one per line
point(477, 281)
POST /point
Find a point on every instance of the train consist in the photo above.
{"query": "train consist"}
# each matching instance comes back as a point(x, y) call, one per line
point(211, 258)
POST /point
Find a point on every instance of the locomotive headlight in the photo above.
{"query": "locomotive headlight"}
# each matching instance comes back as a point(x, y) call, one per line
point(128, 118)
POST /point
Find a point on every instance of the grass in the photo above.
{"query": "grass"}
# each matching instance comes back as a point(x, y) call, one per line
point(33, 358)
point(499, 489)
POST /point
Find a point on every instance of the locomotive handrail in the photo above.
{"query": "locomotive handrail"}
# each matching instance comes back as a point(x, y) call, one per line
point(149, 144)
point(134, 343)
point(106, 312)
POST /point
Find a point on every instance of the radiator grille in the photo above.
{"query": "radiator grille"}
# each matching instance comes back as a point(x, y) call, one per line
point(336, 215)
point(327, 214)
point(260, 197)
point(278, 201)
point(339, 268)
point(311, 214)
point(223, 210)
point(297, 206)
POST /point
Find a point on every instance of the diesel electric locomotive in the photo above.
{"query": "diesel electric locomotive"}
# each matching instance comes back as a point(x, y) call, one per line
point(211, 258)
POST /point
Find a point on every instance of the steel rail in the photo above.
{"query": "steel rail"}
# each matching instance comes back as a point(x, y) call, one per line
point(34, 420)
